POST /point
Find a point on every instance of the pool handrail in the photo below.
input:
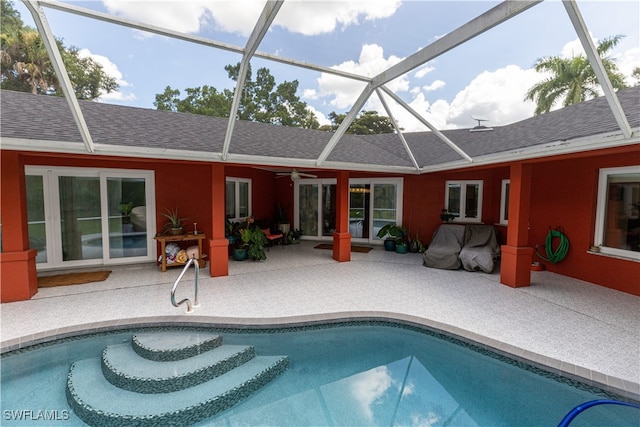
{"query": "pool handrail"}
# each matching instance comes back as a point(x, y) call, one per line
point(586, 405)
point(190, 308)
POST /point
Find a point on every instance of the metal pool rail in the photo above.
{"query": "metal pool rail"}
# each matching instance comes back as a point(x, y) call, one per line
point(193, 261)
point(584, 406)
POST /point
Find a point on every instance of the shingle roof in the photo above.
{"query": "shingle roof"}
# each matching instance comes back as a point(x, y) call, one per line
point(36, 117)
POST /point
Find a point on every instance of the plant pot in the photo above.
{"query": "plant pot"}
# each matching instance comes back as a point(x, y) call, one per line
point(240, 254)
point(390, 245)
point(402, 248)
point(175, 231)
point(413, 247)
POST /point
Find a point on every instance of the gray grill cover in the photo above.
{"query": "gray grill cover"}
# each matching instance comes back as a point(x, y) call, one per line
point(445, 246)
point(480, 249)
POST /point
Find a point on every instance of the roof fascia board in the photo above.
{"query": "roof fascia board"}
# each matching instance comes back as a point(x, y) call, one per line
point(267, 16)
point(105, 17)
point(395, 125)
point(596, 63)
point(50, 44)
point(425, 122)
point(494, 16)
point(591, 143)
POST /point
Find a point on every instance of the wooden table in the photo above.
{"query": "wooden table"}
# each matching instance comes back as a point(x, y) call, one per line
point(164, 239)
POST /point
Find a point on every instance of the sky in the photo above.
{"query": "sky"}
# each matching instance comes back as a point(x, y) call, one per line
point(485, 78)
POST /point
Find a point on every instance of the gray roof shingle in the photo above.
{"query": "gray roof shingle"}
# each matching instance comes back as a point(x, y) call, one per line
point(38, 117)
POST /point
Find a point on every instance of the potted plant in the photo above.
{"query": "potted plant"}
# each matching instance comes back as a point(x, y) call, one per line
point(125, 209)
point(174, 225)
point(394, 234)
point(446, 216)
point(257, 242)
point(416, 245)
point(282, 220)
point(242, 241)
point(294, 236)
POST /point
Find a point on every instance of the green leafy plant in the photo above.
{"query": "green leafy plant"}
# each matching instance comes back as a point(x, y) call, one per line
point(257, 242)
point(174, 220)
point(393, 231)
point(446, 216)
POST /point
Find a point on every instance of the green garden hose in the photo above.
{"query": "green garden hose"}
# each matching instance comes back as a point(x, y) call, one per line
point(557, 255)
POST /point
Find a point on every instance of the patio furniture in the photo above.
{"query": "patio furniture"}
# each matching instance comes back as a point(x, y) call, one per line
point(445, 246)
point(481, 250)
point(277, 237)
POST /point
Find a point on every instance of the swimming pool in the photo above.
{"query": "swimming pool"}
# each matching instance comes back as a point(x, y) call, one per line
point(348, 374)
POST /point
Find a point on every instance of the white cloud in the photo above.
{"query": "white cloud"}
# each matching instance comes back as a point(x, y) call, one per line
point(183, 16)
point(423, 71)
point(344, 92)
point(370, 386)
point(308, 18)
point(319, 17)
point(497, 96)
point(111, 70)
point(435, 85)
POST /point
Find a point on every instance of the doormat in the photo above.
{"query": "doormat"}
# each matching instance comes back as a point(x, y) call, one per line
point(72, 278)
point(363, 249)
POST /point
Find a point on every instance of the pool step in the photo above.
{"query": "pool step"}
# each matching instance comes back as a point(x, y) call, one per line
point(124, 388)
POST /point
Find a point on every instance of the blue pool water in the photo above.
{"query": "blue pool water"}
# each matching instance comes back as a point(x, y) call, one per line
point(353, 375)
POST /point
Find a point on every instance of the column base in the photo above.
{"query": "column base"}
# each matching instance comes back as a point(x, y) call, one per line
point(342, 247)
point(515, 266)
point(219, 257)
point(19, 275)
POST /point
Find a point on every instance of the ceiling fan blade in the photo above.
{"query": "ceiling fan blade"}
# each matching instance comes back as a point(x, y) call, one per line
point(307, 175)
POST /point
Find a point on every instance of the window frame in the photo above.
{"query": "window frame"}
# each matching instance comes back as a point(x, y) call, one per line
point(504, 201)
point(463, 199)
point(601, 206)
point(236, 181)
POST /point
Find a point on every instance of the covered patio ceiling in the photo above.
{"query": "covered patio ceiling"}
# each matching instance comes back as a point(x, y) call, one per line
point(376, 85)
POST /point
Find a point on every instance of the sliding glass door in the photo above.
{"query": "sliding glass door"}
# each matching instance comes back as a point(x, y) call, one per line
point(80, 217)
point(315, 206)
point(372, 204)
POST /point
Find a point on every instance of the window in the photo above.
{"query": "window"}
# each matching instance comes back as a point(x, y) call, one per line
point(618, 212)
point(238, 198)
point(504, 202)
point(463, 199)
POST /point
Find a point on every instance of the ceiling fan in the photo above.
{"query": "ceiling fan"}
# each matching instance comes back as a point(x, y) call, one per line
point(295, 175)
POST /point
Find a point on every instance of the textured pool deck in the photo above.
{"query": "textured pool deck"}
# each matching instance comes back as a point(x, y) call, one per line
point(569, 326)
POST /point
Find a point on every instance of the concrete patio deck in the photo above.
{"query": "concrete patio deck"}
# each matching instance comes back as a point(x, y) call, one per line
point(568, 326)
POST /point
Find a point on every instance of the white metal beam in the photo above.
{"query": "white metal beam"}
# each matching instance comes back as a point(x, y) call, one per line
point(50, 44)
point(105, 17)
point(267, 16)
point(395, 125)
point(596, 63)
point(342, 129)
point(427, 124)
point(495, 16)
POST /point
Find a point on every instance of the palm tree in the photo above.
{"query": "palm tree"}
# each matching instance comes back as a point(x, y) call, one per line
point(573, 78)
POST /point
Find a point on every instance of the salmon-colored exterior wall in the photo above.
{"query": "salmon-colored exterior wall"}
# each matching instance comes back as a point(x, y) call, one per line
point(563, 193)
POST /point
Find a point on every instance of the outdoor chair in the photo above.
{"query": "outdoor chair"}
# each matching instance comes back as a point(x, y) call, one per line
point(445, 246)
point(277, 237)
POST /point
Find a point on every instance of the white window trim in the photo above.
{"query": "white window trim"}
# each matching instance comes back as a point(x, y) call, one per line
point(601, 212)
point(463, 199)
point(503, 201)
point(236, 181)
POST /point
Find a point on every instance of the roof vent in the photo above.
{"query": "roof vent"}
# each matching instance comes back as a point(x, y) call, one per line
point(480, 127)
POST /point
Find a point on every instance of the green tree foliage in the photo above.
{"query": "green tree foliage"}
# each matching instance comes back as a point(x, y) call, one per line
point(262, 100)
point(573, 78)
point(26, 67)
point(365, 123)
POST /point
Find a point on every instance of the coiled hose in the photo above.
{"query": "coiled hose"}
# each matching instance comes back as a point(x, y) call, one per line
point(554, 256)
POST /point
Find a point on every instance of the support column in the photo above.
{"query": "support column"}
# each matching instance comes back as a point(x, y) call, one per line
point(342, 237)
point(218, 244)
point(18, 276)
point(516, 257)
